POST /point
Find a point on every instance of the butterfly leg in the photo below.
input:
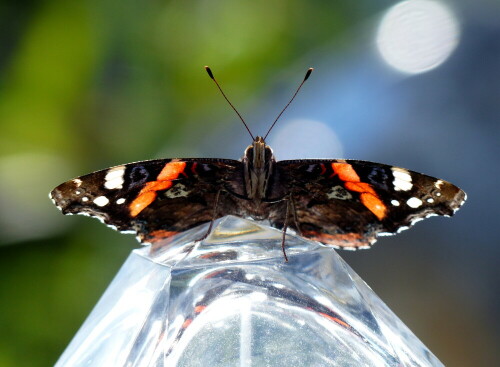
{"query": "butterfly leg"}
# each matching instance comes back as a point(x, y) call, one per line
point(289, 207)
point(294, 212)
point(290, 210)
point(214, 215)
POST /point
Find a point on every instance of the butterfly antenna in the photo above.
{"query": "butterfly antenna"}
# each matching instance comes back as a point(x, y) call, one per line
point(211, 75)
point(308, 73)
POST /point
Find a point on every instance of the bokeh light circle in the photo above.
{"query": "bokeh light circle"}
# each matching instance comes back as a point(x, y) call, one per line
point(417, 35)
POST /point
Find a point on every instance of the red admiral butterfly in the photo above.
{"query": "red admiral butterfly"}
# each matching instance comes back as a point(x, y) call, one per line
point(344, 203)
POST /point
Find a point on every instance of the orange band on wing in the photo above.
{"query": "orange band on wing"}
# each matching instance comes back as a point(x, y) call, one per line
point(171, 171)
point(323, 169)
point(156, 186)
point(374, 204)
point(360, 187)
point(148, 194)
point(141, 202)
point(368, 195)
point(345, 172)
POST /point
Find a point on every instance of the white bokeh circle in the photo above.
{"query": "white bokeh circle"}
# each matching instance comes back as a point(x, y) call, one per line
point(415, 36)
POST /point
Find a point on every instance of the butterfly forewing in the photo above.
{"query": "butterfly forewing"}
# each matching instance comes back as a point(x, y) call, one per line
point(155, 199)
point(346, 203)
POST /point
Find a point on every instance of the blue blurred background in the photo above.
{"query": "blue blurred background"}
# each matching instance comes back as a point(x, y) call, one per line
point(94, 83)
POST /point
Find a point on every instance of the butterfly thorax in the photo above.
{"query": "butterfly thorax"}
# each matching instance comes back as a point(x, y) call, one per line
point(258, 165)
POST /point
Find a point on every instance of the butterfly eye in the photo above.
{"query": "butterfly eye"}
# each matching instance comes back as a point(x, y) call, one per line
point(249, 153)
point(269, 154)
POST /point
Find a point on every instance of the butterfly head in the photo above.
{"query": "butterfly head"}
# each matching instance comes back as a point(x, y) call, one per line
point(259, 154)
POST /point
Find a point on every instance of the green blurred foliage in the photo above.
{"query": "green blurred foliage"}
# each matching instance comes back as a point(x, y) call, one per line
point(94, 83)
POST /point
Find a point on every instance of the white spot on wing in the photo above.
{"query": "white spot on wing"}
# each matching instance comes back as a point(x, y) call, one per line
point(348, 248)
point(100, 219)
point(114, 178)
point(414, 202)
point(120, 201)
point(54, 201)
point(101, 201)
point(438, 184)
point(416, 220)
point(384, 234)
point(395, 202)
point(401, 229)
point(85, 199)
point(402, 179)
point(77, 182)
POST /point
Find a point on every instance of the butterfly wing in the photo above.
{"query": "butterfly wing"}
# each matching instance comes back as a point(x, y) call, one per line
point(155, 199)
point(347, 203)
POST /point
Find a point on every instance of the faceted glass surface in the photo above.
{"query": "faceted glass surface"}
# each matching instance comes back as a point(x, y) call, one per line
point(232, 300)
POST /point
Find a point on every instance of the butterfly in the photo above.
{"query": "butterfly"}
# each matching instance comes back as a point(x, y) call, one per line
point(343, 203)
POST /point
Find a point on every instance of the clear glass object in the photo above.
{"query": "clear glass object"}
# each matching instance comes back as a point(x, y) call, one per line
point(232, 300)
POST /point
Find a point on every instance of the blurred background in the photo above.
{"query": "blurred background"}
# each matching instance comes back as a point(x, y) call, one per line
point(89, 84)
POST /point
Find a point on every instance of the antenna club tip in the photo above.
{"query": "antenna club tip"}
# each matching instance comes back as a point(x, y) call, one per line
point(207, 68)
point(308, 73)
